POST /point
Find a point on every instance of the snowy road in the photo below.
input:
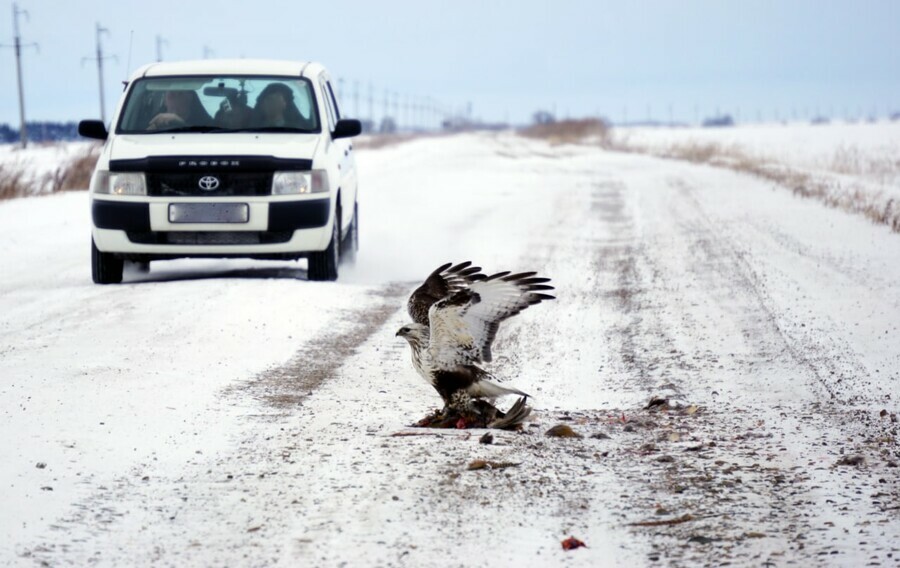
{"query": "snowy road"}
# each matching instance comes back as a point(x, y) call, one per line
point(214, 413)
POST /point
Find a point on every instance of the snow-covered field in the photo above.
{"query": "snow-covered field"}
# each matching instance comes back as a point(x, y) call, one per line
point(232, 413)
point(853, 167)
point(870, 150)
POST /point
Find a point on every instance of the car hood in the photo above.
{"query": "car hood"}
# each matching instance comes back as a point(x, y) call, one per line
point(131, 147)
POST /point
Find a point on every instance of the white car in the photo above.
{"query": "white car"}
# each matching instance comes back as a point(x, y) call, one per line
point(229, 158)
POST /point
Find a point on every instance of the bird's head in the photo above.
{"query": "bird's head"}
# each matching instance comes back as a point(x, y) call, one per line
point(415, 333)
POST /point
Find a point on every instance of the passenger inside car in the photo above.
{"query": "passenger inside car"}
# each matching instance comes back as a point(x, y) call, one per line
point(275, 107)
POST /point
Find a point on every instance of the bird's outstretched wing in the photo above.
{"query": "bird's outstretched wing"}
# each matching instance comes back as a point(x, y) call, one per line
point(464, 325)
point(445, 281)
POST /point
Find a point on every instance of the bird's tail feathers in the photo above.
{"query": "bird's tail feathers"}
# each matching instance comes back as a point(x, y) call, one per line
point(513, 417)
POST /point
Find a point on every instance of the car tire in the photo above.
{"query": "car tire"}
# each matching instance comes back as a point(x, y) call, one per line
point(350, 243)
point(105, 267)
point(323, 266)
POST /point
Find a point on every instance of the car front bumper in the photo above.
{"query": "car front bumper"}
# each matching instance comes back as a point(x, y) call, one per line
point(276, 227)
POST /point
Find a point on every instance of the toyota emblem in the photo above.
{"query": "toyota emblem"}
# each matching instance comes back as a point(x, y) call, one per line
point(209, 183)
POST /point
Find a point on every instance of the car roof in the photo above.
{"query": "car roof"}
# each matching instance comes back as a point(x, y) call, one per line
point(229, 67)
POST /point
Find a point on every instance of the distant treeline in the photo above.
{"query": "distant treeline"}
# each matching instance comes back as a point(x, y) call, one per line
point(41, 132)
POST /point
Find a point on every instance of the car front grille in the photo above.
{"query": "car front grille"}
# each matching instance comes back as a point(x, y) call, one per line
point(210, 237)
point(165, 184)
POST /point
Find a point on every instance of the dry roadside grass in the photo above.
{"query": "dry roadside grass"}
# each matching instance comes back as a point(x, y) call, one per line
point(76, 174)
point(579, 131)
point(73, 174)
point(850, 160)
point(12, 182)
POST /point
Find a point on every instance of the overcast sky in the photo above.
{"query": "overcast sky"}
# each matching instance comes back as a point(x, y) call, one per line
point(623, 60)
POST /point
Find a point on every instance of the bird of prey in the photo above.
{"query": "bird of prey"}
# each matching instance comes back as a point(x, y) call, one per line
point(456, 313)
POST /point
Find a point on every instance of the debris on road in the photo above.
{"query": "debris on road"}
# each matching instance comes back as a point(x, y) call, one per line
point(562, 431)
point(487, 464)
point(855, 460)
point(665, 522)
point(572, 543)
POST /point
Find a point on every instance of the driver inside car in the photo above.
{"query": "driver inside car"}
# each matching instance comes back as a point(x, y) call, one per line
point(183, 108)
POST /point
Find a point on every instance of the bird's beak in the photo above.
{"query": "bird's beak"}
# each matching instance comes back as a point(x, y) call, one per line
point(397, 334)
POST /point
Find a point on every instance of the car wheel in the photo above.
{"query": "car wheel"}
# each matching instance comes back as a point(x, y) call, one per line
point(105, 267)
point(350, 243)
point(324, 265)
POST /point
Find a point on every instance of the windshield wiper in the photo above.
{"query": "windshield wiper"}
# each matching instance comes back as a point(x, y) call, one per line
point(274, 129)
point(194, 128)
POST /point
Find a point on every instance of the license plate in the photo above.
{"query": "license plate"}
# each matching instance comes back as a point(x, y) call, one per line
point(209, 213)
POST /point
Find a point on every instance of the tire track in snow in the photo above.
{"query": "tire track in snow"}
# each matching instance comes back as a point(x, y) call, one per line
point(766, 486)
point(287, 386)
point(172, 508)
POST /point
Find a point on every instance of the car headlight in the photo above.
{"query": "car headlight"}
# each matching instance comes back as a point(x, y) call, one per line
point(299, 183)
point(120, 183)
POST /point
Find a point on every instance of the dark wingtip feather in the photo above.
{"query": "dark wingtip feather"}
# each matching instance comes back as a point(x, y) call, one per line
point(469, 272)
point(533, 281)
point(519, 276)
point(460, 266)
point(442, 268)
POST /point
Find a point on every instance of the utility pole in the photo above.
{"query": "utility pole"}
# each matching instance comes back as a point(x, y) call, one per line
point(100, 32)
point(371, 104)
point(160, 41)
point(407, 120)
point(356, 99)
point(207, 52)
point(17, 46)
point(99, 58)
point(397, 109)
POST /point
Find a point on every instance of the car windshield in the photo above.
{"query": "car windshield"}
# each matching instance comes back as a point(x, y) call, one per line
point(219, 104)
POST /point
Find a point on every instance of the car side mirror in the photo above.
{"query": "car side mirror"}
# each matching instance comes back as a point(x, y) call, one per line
point(93, 129)
point(346, 128)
